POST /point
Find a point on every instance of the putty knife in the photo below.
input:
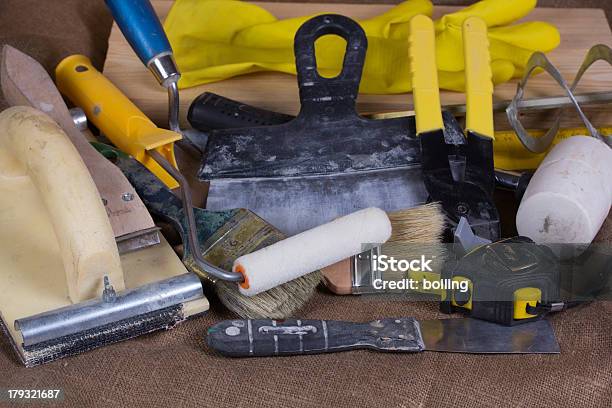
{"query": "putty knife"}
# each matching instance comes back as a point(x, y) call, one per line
point(259, 338)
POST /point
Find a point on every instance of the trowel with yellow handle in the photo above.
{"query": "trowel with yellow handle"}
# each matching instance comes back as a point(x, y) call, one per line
point(64, 288)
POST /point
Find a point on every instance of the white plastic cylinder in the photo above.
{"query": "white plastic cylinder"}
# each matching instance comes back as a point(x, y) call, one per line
point(570, 194)
point(312, 250)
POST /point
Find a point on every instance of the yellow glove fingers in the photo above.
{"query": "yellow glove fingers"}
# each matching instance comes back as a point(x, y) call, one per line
point(493, 12)
point(517, 56)
point(393, 23)
point(212, 20)
point(533, 35)
point(502, 72)
point(275, 34)
point(222, 61)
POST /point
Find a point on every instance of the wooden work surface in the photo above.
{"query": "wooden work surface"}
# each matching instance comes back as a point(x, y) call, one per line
point(580, 29)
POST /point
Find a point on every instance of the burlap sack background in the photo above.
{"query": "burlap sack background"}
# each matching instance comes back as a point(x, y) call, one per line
point(176, 369)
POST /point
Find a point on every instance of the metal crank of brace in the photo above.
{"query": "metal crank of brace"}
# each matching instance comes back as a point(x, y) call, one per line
point(599, 52)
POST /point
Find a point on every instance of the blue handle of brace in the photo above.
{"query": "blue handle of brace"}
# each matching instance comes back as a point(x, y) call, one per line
point(141, 27)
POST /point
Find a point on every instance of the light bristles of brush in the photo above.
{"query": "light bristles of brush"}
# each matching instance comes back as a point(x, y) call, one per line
point(416, 231)
point(277, 303)
point(421, 224)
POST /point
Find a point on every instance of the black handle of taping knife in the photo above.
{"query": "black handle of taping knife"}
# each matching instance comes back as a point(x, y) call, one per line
point(331, 97)
point(211, 111)
point(512, 181)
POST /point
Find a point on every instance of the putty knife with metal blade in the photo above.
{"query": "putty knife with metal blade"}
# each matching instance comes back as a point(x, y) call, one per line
point(327, 162)
point(259, 338)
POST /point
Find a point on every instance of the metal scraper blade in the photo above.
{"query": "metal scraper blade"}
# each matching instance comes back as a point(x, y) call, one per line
point(481, 337)
point(296, 204)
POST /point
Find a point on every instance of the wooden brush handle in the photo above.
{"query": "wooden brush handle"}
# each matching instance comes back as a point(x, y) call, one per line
point(33, 145)
point(259, 338)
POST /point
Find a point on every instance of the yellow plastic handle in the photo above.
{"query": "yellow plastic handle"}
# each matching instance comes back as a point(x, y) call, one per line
point(115, 115)
point(478, 77)
point(425, 89)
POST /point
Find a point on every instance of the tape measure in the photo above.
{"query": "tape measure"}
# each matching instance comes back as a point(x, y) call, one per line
point(508, 282)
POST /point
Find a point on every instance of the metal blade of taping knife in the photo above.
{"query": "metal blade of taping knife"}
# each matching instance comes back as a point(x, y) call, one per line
point(297, 204)
point(481, 337)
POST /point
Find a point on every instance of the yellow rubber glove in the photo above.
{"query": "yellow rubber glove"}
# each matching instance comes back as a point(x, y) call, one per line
point(218, 39)
point(510, 46)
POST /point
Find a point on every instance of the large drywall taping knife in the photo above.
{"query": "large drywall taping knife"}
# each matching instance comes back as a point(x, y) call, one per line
point(328, 161)
point(25, 82)
point(34, 142)
point(127, 127)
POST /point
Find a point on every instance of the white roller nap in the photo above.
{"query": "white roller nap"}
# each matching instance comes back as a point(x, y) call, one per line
point(312, 250)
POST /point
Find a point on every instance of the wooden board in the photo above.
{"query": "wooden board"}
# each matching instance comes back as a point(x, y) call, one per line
point(580, 29)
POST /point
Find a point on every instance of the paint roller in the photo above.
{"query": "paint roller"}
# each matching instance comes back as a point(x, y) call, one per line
point(312, 250)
